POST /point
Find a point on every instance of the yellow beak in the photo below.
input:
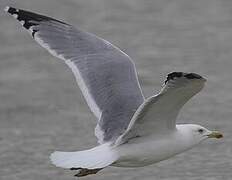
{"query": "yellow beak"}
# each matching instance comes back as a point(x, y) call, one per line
point(215, 134)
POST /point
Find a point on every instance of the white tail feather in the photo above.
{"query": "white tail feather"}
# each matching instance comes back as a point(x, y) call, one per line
point(97, 157)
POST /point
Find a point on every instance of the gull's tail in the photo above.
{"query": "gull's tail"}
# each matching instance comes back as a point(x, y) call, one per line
point(96, 158)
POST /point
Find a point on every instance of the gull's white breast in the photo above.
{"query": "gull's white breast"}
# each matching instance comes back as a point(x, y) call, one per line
point(143, 151)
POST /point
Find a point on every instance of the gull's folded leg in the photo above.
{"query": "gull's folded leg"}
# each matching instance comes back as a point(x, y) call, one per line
point(84, 172)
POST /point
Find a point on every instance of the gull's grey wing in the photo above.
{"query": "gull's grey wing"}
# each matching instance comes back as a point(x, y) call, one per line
point(105, 75)
point(158, 113)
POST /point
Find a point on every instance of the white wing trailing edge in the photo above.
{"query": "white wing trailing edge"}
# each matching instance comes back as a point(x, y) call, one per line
point(105, 75)
point(158, 113)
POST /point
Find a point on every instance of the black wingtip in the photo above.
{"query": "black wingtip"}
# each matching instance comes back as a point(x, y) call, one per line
point(24, 17)
point(29, 19)
point(174, 75)
point(192, 76)
point(13, 11)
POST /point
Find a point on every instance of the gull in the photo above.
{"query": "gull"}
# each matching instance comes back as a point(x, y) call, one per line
point(132, 131)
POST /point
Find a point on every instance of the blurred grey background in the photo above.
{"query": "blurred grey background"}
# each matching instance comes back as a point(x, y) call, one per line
point(42, 109)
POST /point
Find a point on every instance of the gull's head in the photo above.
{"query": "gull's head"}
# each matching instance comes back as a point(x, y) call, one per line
point(198, 133)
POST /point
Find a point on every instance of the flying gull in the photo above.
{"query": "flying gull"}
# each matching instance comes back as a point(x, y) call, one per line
point(132, 131)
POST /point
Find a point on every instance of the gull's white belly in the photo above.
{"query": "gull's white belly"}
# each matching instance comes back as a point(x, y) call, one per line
point(149, 150)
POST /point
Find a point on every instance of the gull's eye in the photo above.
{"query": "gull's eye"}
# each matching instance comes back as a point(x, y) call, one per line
point(200, 131)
